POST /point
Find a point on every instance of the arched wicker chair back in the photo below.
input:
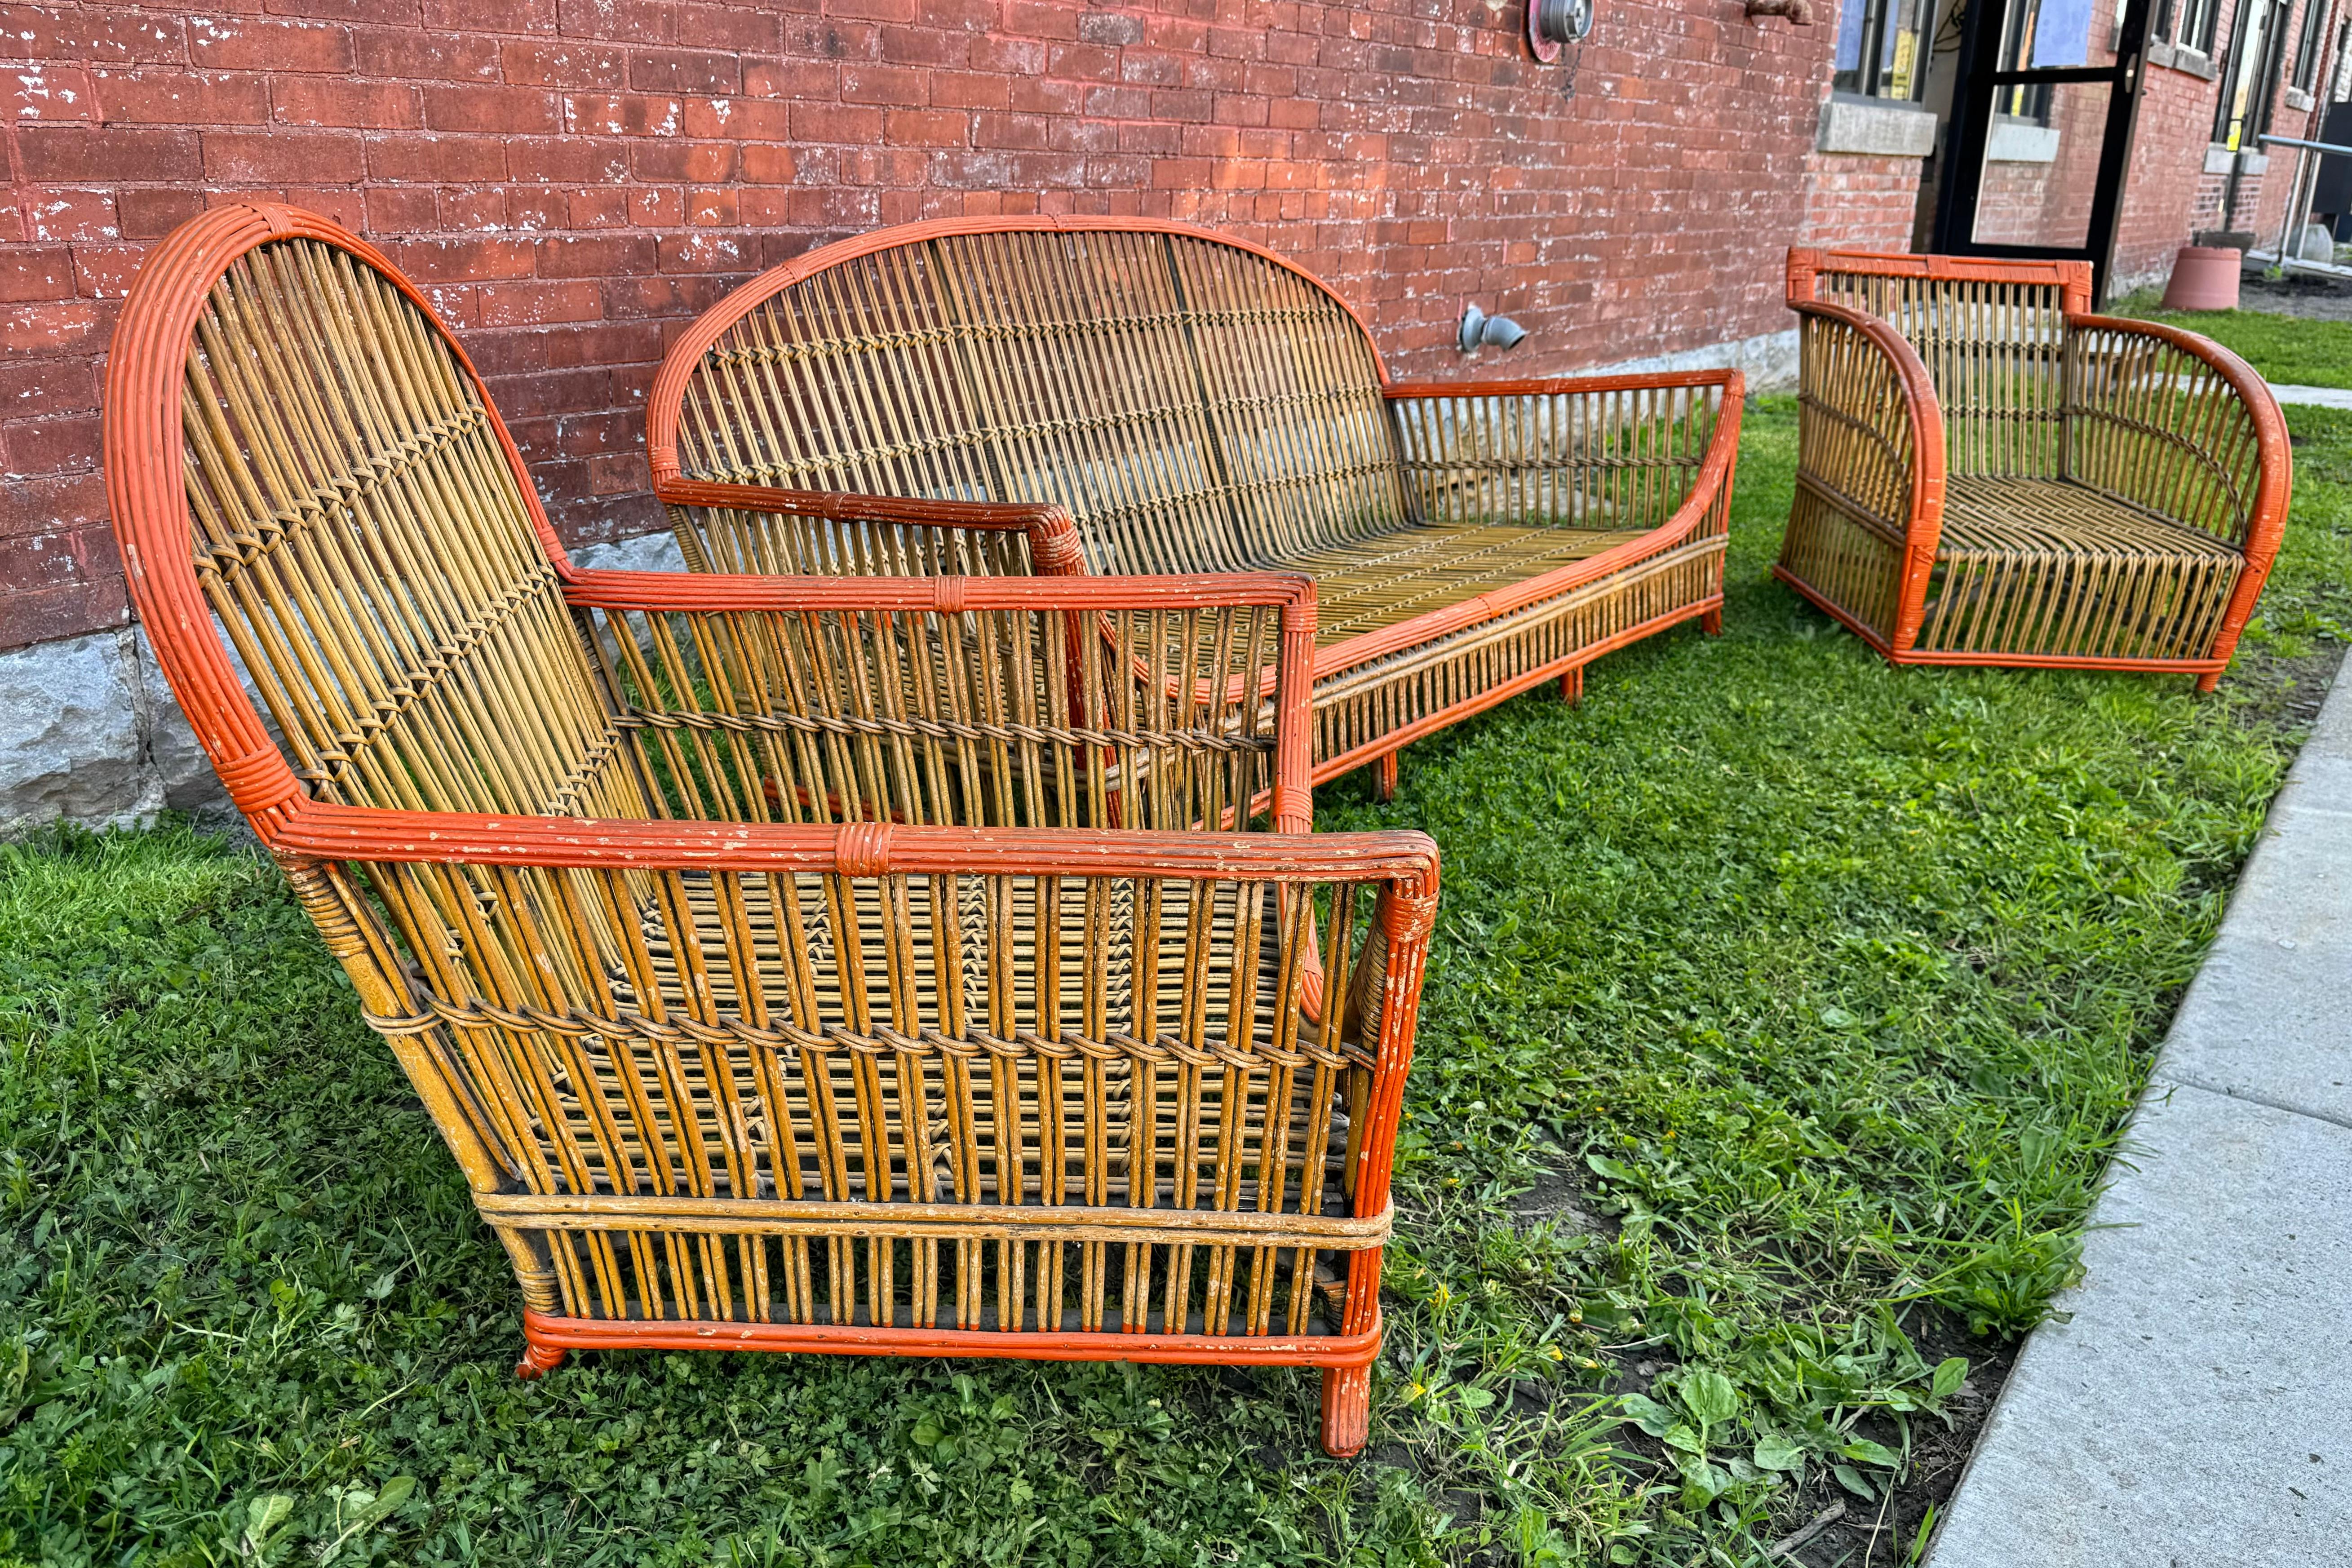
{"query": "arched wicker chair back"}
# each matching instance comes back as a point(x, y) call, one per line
point(1197, 403)
point(1992, 335)
point(367, 537)
point(363, 531)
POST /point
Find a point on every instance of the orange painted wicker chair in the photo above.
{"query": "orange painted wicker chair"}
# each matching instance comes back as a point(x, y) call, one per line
point(1989, 474)
point(1141, 397)
point(794, 963)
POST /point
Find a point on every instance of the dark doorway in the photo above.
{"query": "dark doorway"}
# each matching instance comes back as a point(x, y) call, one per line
point(2040, 130)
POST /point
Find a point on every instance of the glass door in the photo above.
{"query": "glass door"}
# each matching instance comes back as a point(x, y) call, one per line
point(2042, 129)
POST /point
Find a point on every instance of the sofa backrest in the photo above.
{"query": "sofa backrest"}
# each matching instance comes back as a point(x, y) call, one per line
point(1197, 403)
point(1991, 333)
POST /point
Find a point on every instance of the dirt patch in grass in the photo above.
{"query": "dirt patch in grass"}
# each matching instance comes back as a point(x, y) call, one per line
point(1890, 1530)
point(2313, 299)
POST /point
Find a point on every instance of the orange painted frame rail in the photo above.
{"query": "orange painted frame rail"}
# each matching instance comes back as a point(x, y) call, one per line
point(1377, 691)
point(361, 870)
point(2159, 420)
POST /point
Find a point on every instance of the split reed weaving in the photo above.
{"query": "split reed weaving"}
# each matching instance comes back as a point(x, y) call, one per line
point(1167, 400)
point(788, 963)
point(1990, 474)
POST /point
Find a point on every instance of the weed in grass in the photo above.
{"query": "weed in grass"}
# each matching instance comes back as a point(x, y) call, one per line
point(1783, 1010)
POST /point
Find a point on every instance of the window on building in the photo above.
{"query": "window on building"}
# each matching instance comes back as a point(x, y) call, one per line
point(2256, 53)
point(1882, 48)
point(2306, 45)
point(2188, 23)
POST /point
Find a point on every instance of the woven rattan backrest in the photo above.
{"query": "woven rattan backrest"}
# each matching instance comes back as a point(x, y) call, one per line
point(1992, 336)
point(364, 537)
point(1197, 405)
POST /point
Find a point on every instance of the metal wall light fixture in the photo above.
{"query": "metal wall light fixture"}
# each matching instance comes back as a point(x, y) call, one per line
point(1552, 24)
point(1481, 330)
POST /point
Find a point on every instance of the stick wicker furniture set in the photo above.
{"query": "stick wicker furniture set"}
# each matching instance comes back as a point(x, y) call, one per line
point(1195, 404)
point(1990, 474)
point(864, 945)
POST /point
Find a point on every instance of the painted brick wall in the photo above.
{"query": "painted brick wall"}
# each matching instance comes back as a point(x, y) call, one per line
point(574, 179)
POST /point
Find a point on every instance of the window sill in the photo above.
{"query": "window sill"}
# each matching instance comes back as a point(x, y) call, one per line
point(1875, 128)
point(2188, 62)
point(2298, 99)
point(2219, 158)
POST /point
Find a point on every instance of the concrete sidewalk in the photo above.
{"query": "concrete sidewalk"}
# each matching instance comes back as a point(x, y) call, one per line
point(2313, 396)
point(2196, 1412)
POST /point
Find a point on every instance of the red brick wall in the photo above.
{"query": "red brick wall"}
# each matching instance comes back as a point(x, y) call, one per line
point(2169, 195)
point(1858, 201)
point(575, 179)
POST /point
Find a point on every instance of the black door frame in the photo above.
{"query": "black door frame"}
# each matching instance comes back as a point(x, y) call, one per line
point(1978, 82)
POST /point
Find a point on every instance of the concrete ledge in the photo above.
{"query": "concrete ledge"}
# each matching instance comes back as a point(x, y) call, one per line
point(90, 729)
point(1858, 126)
point(2218, 159)
point(1768, 362)
point(2022, 141)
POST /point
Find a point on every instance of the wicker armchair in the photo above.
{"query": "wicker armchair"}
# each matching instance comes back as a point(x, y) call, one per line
point(1073, 395)
point(789, 964)
point(1989, 474)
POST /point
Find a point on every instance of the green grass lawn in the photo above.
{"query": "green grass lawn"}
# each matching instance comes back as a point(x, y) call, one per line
point(1782, 1012)
point(2289, 350)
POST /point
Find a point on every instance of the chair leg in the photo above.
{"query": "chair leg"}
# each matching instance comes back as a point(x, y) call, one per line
point(538, 1360)
point(1384, 776)
point(1347, 1409)
point(1572, 687)
point(2208, 682)
point(1711, 623)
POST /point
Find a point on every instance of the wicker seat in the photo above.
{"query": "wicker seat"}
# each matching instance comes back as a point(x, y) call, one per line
point(1164, 399)
point(795, 964)
point(1989, 474)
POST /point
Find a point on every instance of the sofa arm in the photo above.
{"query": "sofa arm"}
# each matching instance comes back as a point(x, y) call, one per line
point(1621, 452)
point(1870, 455)
point(761, 529)
point(2175, 423)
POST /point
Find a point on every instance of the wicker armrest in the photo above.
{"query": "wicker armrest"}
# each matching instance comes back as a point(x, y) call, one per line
point(1003, 700)
point(1870, 441)
point(1612, 452)
point(2173, 422)
point(759, 528)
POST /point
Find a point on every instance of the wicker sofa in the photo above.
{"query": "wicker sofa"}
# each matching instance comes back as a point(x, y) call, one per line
point(1990, 474)
point(789, 964)
point(1070, 396)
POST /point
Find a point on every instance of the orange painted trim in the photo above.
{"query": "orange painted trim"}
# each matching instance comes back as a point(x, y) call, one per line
point(869, 849)
point(1923, 529)
point(1553, 385)
point(1710, 488)
point(1344, 1350)
point(1397, 740)
point(1806, 265)
point(1992, 660)
point(1052, 533)
point(667, 398)
point(2273, 489)
point(728, 592)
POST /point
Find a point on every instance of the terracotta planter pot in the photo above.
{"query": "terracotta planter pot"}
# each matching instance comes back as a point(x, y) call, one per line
point(2204, 277)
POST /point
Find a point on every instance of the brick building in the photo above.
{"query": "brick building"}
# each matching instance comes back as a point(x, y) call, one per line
point(573, 180)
